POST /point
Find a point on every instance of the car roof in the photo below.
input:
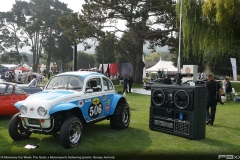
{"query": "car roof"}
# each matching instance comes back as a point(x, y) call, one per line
point(2, 82)
point(83, 74)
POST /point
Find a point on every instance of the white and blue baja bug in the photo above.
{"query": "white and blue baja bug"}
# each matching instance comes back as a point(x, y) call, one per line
point(68, 101)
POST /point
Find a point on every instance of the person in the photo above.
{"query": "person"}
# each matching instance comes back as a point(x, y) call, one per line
point(48, 75)
point(19, 76)
point(212, 87)
point(167, 80)
point(30, 77)
point(199, 75)
point(13, 77)
point(10, 78)
point(7, 76)
point(130, 83)
point(3, 76)
point(228, 88)
point(160, 74)
point(24, 78)
point(125, 83)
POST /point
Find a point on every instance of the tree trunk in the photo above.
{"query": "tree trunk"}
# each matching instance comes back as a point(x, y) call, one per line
point(138, 64)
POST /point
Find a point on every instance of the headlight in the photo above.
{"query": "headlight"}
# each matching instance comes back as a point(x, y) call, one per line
point(23, 109)
point(42, 111)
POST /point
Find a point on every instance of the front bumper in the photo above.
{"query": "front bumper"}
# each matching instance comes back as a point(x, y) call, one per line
point(38, 125)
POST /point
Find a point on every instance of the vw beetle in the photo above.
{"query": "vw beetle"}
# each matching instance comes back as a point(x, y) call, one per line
point(68, 101)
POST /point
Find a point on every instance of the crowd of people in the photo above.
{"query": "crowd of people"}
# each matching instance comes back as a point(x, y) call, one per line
point(8, 76)
point(19, 77)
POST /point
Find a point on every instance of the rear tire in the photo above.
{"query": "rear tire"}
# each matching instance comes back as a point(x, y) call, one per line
point(71, 132)
point(121, 117)
point(16, 129)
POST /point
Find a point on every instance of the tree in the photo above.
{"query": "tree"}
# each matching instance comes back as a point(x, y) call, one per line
point(210, 30)
point(77, 30)
point(63, 51)
point(85, 60)
point(11, 37)
point(140, 16)
point(38, 20)
point(105, 53)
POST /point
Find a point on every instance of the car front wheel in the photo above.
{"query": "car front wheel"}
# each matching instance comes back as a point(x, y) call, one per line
point(121, 117)
point(71, 132)
point(16, 129)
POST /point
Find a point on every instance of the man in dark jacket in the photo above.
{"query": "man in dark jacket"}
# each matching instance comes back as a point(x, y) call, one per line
point(125, 83)
point(212, 88)
point(167, 80)
point(130, 83)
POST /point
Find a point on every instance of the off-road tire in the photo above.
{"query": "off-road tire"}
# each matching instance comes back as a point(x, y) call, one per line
point(16, 129)
point(71, 132)
point(121, 117)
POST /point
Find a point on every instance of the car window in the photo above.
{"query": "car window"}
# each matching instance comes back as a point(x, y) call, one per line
point(107, 84)
point(75, 83)
point(2, 88)
point(18, 90)
point(9, 89)
point(94, 84)
point(65, 82)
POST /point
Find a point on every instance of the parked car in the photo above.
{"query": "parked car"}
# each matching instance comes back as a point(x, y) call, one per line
point(196, 82)
point(68, 102)
point(147, 85)
point(3, 80)
point(10, 93)
point(32, 87)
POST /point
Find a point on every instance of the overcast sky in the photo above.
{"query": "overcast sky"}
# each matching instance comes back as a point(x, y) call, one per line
point(75, 5)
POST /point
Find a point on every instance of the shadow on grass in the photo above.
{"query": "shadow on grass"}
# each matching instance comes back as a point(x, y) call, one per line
point(214, 142)
point(97, 139)
point(226, 127)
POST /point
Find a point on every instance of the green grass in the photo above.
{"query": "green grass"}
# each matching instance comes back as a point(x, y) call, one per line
point(138, 141)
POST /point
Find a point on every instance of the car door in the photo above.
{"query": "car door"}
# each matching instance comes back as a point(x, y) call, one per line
point(95, 101)
point(108, 92)
point(6, 106)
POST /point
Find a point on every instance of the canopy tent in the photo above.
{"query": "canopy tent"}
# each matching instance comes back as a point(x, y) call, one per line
point(26, 66)
point(163, 66)
point(22, 69)
point(117, 68)
point(9, 65)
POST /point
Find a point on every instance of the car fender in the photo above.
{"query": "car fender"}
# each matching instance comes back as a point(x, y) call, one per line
point(62, 107)
point(114, 102)
point(18, 104)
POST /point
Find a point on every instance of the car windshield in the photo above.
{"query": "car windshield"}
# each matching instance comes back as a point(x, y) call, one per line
point(6, 89)
point(65, 82)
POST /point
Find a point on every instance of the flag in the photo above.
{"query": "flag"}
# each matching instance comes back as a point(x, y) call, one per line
point(234, 68)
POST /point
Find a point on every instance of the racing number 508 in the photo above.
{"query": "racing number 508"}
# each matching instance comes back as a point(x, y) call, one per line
point(96, 110)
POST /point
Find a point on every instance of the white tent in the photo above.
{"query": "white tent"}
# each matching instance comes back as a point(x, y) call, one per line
point(163, 66)
point(9, 65)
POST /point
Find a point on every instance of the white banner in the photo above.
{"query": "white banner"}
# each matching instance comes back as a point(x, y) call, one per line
point(234, 68)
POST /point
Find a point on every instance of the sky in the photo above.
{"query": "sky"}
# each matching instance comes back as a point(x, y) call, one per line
point(75, 5)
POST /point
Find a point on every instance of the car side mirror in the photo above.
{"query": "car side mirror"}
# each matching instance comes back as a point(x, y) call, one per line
point(89, 91)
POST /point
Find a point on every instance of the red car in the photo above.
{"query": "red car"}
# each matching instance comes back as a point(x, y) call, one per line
point(10, 93)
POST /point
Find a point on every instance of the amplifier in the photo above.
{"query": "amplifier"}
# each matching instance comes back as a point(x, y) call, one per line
point(179, 110)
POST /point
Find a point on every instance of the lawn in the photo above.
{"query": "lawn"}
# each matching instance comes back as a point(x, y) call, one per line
point(138, 141)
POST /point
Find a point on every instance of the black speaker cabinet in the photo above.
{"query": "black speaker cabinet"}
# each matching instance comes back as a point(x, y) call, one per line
point(179, 110)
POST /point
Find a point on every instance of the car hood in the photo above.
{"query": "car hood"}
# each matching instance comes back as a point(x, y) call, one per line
point(51, 95)
point(48, 99)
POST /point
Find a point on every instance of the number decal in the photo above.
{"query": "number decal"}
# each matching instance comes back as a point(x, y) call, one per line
point(95, 110)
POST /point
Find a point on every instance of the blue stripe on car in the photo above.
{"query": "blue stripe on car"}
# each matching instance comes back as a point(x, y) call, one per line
point(114, 102)
point(63, 106)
